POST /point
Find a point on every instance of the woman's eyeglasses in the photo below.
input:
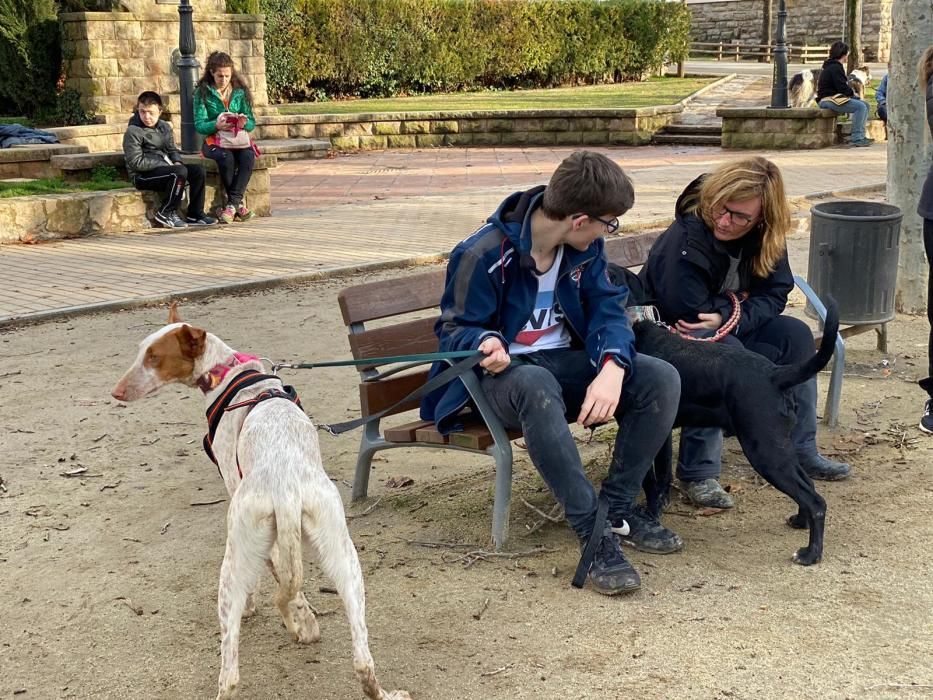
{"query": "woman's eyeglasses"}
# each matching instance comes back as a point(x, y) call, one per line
point(736, 218)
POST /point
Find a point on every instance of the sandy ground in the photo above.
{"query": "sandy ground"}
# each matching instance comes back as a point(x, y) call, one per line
point(108, 578)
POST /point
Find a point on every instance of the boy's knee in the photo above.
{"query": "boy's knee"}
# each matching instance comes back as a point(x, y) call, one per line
point(658, 378)
point(180, 170)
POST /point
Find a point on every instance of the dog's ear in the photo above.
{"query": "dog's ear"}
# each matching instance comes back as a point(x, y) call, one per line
point(191, 340)
point(173, 316)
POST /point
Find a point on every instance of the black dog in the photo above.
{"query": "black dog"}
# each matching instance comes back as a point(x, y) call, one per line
point(747, 395)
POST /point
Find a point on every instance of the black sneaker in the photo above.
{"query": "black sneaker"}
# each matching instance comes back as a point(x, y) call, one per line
point(166, 220)
point(644, 532)
point(200, 220)
point(611, 573)
point(926, 423)
point(818, 467)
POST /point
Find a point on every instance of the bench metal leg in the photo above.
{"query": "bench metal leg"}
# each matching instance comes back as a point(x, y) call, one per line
point(882, 332)
point(831, 414)
point(501, 450)
point(370, 443)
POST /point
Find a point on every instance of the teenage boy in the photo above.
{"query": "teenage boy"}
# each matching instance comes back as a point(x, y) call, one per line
point(153, 162)
point(530, 290)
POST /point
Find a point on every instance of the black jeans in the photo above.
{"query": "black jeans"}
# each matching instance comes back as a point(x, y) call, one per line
point(235, 166)
point(927, 384)
point(170, 181)
point(540, 392)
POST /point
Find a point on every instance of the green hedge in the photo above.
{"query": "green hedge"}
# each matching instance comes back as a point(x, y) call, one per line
point(317, 48)
point(30, 55)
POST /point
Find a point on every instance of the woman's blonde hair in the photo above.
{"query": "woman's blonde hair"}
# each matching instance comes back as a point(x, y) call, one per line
point(744, 179)
point(925, 67)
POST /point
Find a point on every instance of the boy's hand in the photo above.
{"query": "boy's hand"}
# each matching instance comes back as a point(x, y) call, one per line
point(497, 357)
point(602, 395)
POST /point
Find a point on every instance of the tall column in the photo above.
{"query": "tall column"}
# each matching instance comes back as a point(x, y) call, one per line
point(779, 84)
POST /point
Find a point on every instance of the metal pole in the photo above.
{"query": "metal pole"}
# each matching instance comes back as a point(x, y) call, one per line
point(779, 85)
point(188, 70)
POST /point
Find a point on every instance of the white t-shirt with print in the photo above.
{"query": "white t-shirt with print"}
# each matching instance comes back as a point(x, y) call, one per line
point(546, 328)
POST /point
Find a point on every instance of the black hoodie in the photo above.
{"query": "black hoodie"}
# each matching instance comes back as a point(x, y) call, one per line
point(833, 81)
point(148, 147)
point(688, 267)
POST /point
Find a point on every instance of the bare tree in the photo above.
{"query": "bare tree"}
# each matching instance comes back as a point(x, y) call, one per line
point(909, 149)
point(767, 29)
point(854, 33)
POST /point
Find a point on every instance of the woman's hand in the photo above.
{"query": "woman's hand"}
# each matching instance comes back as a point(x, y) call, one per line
point(602, 395)
point(241, 121)
point(707, 322)
point(497, 357)
point(223, 123)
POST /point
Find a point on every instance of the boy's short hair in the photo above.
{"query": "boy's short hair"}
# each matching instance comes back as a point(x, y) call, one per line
point(838, 50)
point(149, 98)
point(588, 183)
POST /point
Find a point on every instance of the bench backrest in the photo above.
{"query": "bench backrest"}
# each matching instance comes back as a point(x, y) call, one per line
point(384, 299)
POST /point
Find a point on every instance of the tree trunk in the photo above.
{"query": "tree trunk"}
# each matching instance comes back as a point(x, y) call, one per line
point(767, 29)
point(909, 149)
point(854, 33)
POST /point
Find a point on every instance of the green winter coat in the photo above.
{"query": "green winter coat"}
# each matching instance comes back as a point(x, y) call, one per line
point(207, 111)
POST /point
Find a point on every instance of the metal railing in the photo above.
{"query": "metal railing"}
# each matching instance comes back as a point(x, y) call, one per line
point(735, 51)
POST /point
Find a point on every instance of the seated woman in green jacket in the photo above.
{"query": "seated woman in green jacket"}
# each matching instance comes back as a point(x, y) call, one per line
point(223, 113)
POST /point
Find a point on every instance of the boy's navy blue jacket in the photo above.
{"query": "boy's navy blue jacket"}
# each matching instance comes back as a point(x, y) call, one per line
point(687, 267)
point(491, 289)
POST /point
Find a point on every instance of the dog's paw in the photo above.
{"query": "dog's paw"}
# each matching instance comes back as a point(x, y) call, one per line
point(797, 521)
point(250, 608)
point(306, 630)
point(396, 695)
point(806, 557)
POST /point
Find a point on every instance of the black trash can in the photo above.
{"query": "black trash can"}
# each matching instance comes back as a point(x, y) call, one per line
point(853, 257)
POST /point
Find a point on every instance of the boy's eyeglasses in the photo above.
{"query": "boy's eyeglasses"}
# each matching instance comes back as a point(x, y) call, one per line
point(736, 218)
point(612, 225)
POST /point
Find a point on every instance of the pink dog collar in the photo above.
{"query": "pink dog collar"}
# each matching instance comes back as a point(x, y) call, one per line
point(212, 379)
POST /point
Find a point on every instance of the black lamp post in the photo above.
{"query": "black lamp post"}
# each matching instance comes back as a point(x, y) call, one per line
point(779, 84)
point(188, 69)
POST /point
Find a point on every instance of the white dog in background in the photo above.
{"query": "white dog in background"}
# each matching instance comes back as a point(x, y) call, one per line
point(280, 496)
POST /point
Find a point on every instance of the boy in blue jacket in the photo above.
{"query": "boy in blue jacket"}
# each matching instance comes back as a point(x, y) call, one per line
point(530, 290)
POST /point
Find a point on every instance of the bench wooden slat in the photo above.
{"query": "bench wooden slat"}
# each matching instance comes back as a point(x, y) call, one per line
point(429, 434)
point(408, 338)
point(376, 396)
point(406, 431)
point(631, 251)
point(373, 300)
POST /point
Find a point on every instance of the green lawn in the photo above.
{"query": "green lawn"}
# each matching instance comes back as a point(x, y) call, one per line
point(656, 91)
point(56, 186)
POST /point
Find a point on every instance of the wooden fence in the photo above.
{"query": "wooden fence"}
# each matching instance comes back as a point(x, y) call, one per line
point(734, 51)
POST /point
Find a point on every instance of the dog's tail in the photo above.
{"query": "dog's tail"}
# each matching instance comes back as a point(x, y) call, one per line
point(290, 572)
point(786, 376)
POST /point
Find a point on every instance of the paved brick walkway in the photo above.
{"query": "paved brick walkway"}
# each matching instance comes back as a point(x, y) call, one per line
point(356, 210)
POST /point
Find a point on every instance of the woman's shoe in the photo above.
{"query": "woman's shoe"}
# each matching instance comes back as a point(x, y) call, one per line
point(244, 214)
point(227, 214)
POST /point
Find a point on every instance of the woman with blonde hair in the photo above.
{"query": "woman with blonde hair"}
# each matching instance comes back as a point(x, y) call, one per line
point(223, 112)
point(925, 209)
point(729, 236)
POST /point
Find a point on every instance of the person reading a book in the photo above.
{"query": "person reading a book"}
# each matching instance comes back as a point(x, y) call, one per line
point(223, 113)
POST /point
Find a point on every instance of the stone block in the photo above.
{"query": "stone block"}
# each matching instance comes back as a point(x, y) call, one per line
point(539, 138)
point(130, 31)
point(628, 138)
point(306, 131)
point(358, 129)
point(252, 66)
point(518, 138)
point(345, 143)
point(100, 30)
point(373, 143)
point(329, 129)
point(445, 127)
point(459, 139)
point(66, 216)
point(472, 126)
point(621, 124)
point(240, 48)
point(594, 137)
point(526, 124)
point(568, 138)
point(402, 141)
point(583, 124)
point(497, 126)
point(259, 49)
point(416, 127)
point(250, 30)
point(273, 131)
point(429, 140)
point(557, 124)
point(102, 68)
point(487, 138)
point(387, 128)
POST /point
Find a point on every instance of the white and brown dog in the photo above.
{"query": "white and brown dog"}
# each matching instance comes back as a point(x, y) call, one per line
point(859, 79)
point(801, 90)
point(268, 454)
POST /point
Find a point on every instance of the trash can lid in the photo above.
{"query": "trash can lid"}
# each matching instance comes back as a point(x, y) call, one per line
point(857, 210)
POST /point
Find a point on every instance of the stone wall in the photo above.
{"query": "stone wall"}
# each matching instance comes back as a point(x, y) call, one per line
point(111, 57)
point(808, 22)
point(476, 128)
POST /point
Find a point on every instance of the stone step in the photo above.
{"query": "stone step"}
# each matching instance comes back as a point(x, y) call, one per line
point(705, 129)
point(688, 139)
point(32, 161)
point(294, 149)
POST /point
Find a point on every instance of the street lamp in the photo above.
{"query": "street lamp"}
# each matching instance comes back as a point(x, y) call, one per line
point(779, 84)
point(188, 69)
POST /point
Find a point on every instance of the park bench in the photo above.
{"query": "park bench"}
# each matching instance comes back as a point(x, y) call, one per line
point(397, 300)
